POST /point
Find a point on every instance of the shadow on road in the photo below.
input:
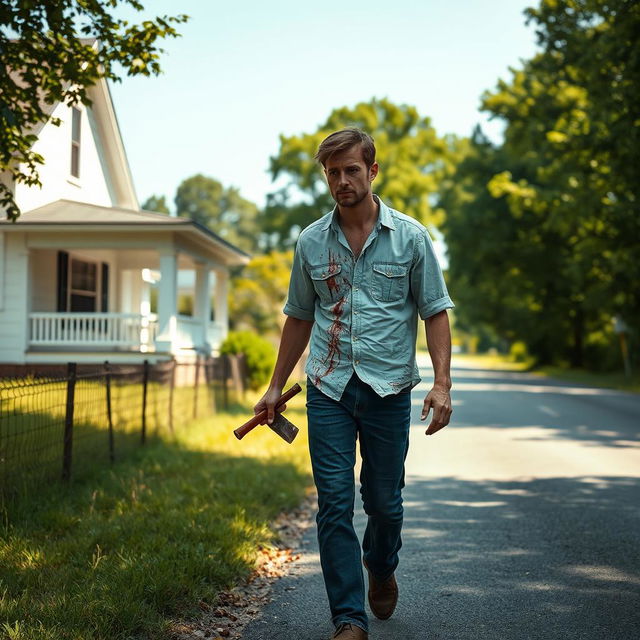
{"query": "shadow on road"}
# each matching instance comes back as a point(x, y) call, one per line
point(503, 399)
point(549, 558)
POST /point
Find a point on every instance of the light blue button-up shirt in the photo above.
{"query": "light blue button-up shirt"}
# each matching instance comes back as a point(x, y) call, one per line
point(365, 310)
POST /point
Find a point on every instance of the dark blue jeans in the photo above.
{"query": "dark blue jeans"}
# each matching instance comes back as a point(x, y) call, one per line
point(382, 426)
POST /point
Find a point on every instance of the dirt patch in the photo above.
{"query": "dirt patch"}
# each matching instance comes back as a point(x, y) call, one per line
point(234, 609)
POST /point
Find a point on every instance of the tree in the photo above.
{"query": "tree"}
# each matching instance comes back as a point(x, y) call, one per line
point(220, 208)
point(53, 51)
point(550, 219)
point(412, 157)
point(259, 293)
point(155, 203)
point(501, 269)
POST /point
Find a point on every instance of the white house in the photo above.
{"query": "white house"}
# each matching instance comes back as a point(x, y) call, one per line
point(78, 267)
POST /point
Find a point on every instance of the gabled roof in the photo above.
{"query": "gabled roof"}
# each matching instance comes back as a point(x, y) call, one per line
point(67, 215)
point(109, 131)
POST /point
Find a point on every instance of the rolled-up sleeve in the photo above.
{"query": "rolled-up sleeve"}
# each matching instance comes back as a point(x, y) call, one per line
point(301, 299)
point(427, 283)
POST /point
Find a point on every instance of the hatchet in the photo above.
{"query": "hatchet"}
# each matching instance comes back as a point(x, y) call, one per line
point(285, 429)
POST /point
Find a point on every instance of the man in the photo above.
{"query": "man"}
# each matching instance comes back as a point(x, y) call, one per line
point(360, 275)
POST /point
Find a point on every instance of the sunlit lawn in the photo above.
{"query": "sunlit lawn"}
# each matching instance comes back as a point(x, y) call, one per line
point(612, 380)
point(127, 550)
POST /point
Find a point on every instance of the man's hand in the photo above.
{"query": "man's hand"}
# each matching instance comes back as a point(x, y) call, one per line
point(438, 399)
point(268, 402)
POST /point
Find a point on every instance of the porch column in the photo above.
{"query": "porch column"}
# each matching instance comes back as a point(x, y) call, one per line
point(15, 328)
point(221, 309)
point(145, 298)
point(126, 291)
point(202, 302)
point(1, 270)
point(167, 302)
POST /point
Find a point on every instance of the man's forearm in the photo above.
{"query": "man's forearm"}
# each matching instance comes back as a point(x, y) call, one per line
point(295, 336)
point(439, 342)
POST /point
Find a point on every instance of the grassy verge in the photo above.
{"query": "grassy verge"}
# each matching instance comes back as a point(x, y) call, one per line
point(611, 380)
point(489, 361)
point(124, 552)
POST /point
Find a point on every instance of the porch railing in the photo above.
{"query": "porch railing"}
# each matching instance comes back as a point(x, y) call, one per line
point(93, 329)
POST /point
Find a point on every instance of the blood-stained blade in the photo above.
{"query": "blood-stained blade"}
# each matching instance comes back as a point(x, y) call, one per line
point(285, 429)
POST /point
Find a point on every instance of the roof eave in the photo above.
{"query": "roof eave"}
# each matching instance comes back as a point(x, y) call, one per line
point(232, 255)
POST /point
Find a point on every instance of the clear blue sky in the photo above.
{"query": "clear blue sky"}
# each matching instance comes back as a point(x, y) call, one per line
point(245, 72)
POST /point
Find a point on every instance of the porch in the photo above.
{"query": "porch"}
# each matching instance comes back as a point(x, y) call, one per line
point(115, 331)
point(108, 301)
point(116, 288)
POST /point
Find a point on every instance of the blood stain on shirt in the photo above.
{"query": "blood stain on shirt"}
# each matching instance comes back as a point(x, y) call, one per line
point(332, 283)
point(334, 331)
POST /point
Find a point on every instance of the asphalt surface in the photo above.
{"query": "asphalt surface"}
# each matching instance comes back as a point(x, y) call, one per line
point(522, 521)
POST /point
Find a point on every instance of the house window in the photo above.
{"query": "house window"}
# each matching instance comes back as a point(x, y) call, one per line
point(75, 141)
point(83, 286)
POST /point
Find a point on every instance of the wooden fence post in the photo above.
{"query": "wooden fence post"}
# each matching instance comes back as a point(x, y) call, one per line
point(172, 384)
point(212, 383)
point(68, 421)
point(236, 375)
point(145, 381)
point(107, 377)
point(225, 377)
point(195, 388)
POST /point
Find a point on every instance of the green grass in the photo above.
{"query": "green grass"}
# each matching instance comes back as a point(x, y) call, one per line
point(490, 361)
point(610, 380)
point(32, 417)
point(127, 551)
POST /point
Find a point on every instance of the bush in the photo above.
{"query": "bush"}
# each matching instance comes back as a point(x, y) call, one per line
point(518, 352)
point(259, 353)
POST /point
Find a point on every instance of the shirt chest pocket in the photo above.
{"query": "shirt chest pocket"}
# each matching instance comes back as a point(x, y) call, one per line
point(389, 282)
point(326, 282)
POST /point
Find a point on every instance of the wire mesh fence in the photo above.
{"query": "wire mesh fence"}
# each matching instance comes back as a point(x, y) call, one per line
point(61, 426)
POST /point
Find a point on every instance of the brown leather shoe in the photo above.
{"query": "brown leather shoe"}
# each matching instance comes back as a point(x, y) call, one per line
point(348, 631)
point(383, 595)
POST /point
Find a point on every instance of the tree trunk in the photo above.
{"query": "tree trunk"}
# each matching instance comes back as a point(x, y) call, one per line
point(577, 349)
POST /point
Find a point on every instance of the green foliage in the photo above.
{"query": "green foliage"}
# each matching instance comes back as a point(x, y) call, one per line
point(258, 293)
point(130, 552)
point(49, 50)
point(220, 208)
point(260, 355)
point(185, 304)
point(412, 158)
point(518, 352)
point(155, 203)
point(544, 231)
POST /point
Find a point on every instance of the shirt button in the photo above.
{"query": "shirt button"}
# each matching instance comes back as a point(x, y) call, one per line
point(355, 337)
point(356, 289)
point(357, 362)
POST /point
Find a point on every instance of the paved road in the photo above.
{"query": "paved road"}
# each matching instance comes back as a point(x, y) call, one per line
point(522, 521)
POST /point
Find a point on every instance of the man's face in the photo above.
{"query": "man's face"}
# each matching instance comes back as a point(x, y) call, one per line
point(348, 178)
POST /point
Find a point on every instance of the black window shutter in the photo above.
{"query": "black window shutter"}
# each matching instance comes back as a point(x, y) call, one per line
point(104, 291)
point(63, 276)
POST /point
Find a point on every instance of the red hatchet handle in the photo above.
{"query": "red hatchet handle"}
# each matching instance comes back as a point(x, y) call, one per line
point(261, 417)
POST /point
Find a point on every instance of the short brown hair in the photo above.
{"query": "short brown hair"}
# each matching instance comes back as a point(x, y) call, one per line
point(345, 139)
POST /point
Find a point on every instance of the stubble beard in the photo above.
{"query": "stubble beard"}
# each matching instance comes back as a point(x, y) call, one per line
point(352, 200)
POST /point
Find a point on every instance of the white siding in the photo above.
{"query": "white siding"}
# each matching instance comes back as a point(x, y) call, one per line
point(44, 280)
point(2, 270)
point(54, 144)
point(14, 314)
